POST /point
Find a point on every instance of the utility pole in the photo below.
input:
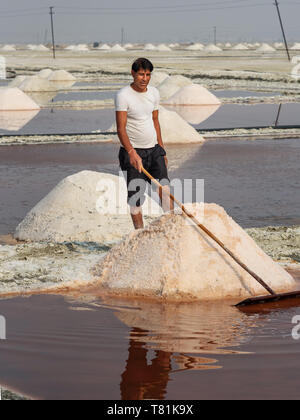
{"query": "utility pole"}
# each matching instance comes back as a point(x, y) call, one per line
point(282, 28)
point(215, 35)
point(52, 29)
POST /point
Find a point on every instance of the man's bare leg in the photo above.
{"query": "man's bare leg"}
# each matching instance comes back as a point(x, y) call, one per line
point(137, 217)
point(166, 202)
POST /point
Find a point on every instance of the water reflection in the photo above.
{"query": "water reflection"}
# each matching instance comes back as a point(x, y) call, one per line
point(15, 120)
point(195, 114)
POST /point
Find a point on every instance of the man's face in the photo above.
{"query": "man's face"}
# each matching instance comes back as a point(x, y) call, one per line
point(141, 78)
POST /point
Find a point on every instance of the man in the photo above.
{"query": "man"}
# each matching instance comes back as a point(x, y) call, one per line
point(137, 109)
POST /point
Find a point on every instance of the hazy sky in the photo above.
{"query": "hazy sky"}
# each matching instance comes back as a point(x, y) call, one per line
point(147, 20)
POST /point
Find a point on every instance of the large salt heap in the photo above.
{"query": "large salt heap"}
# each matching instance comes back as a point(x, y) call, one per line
point(193, 95)
point(175, 130)
point(174, 260)
point(13, 99)
point(85, 207)
point(171, 85)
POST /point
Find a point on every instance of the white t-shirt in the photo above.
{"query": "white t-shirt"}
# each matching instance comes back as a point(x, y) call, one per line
point(139, 107)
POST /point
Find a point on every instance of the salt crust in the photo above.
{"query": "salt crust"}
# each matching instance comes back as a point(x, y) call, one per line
point(171, 259)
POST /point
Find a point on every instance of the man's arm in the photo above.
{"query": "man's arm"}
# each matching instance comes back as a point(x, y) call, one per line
point(135, 160)
point(158, 131)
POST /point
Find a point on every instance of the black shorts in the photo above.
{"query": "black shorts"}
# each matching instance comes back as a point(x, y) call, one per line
point(153, 162)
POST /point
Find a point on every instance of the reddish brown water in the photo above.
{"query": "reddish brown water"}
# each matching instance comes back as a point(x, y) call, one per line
point(91, 348)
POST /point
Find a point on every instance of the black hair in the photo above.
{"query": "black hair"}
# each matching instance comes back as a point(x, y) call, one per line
point(142, 63)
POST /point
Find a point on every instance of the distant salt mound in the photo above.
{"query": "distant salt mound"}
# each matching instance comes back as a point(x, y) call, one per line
point(171, 85)
point(45, 73)
point(149, 47)
point(13, 99)
point(195, 47)
point(265, 48)
point(8, 48)
point(104, 47)
point(85, 207)
point(163, 47)
point(228, 45)
point(36, 84)
point(193, 95)
point(158, 77)
point(212, 48)
point(61, 76)
point(175, 130)
point(186, 264)
point(128, 46)
point(38, 48)
point(118, 48)
point(295, 47)
point(240, 47)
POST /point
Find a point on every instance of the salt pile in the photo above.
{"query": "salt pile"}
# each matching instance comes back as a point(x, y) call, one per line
point(193, 95)
point(171, 85)
point(240, 47)
point(162, 48)
point(149, 47)
point(185, 263)
point(176, 130)
point(61, 76)
point(265, 48)
point(8, 48)
point(296, 46)
point(118, 48)
point(45, 73)
point(83, 208)
point(104, 47)
point(195, 47)
point(158, 77)
point(212, 48)
point(13, 99)
point(36, 84)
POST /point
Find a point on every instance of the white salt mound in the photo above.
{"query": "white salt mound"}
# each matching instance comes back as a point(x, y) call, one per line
point(36, 84)
point(193, 95)
point(149, 47)
point(15, 120)
point(13, 99)
point(240, 47)
point(173, 260)
point(77, 210)
point(195, 47)
point(175, 130)
point(104, 47)
point(171, 85)
point(212, 48)
point(265, 48)
point(45, 73)
point(117, 48)
point(158, 77)
point(61, 76)
point(162, 48)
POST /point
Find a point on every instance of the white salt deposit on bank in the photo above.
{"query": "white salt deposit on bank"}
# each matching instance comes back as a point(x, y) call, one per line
point(163, 48)
point(193, 95)
point(240, 47)
point(118, 48)
point(175, 130)
point(17, 81)
point(13, 99)
point(85, 207)
point(171, 85)
point(104, 47)
point(149, 47)
point(185, 263)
